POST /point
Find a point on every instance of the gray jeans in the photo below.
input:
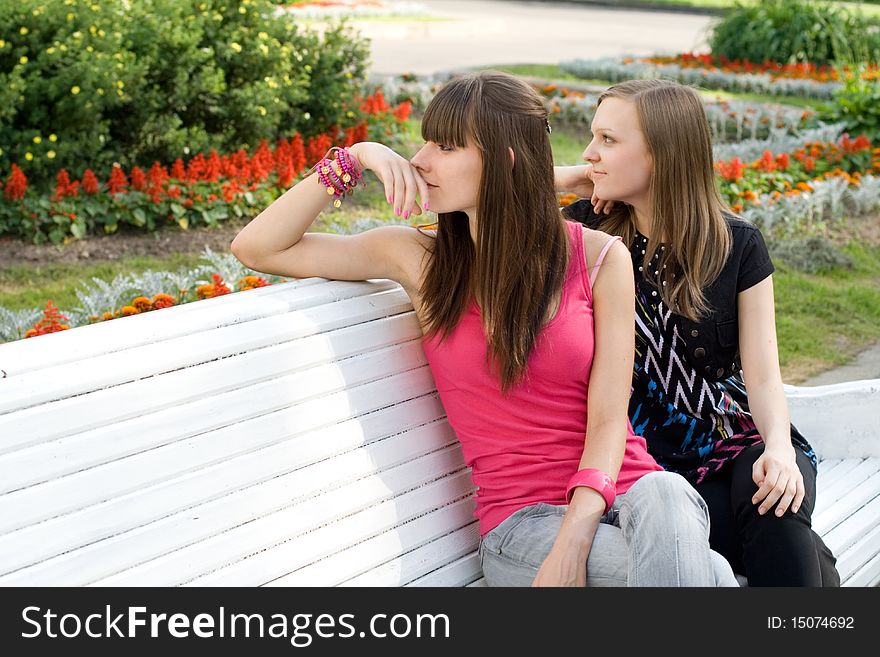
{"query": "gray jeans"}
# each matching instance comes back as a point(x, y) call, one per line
point(656, 534)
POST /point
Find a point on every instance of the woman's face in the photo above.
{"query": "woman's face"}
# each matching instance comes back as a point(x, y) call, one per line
point(453, 176)
point(622, 164)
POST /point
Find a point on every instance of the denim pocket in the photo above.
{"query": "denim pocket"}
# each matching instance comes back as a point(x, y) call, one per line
point(527, 535)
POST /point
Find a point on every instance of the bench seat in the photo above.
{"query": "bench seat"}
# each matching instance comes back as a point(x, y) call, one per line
point(290, 435)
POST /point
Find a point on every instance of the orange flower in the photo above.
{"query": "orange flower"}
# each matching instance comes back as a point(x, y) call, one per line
point(129, 310)
point(163, 301)
point(142, 304)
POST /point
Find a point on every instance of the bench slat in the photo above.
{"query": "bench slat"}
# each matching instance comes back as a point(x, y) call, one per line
point(17, 358)
point(189, 422)
point(422, 560)
point(858, 556)
point(844, 487)
point(160, 519)
point(284, 558)
point(105, 406)
point(80, 376)
point(374, 552)
point(462, 572)
point(831, 516)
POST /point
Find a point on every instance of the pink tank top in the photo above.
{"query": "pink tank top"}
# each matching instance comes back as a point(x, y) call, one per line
point(524, 446)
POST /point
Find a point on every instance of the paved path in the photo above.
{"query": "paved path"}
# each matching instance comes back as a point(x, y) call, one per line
point(482, 33)
point(865, 366)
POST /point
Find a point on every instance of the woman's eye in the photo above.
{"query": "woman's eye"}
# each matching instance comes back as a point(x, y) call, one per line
point(608, 140)
point(444, 147)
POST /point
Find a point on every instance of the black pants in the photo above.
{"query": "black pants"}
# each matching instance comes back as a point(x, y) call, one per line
point(768, 550)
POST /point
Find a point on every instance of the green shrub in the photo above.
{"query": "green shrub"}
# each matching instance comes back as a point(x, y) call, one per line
point(812, 255)
point(90, 83)
point(789, 31)
point(857, 106)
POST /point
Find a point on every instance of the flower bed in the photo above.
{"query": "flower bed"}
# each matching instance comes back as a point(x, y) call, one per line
point(772, 84)
point(203, 190)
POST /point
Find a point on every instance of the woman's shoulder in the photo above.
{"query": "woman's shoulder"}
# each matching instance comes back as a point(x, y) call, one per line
point(596, 241)
point(741, 230)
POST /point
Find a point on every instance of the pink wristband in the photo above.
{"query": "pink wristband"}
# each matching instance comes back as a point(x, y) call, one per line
point(595, 479)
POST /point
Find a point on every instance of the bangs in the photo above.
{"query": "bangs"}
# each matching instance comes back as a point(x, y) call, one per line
point(450, 113)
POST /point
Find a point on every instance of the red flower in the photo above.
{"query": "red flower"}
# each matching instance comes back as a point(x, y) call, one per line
point(118, 182)
point(809, 164)
point(297, 153)
point(196, 168)
point(158, 175)
point(213, 168)
point(138, 179)
point(51, 322)
point(783, 161)
point(318, 147)
point(178, 171)
point(90, 183)
point(402, 112)
point(63, 186)
point(16, 184)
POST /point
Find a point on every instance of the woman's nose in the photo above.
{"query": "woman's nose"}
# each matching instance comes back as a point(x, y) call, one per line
point(590, 154)
point(419, 160)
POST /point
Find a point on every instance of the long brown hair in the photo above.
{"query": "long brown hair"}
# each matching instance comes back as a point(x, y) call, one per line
point(520, 258)
point(687, 206)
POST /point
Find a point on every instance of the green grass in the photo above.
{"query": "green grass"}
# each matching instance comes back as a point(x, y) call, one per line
point(824, 319)
point(31, 286)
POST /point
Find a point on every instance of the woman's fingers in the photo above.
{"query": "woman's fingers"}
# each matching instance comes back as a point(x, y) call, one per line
point(787, 497)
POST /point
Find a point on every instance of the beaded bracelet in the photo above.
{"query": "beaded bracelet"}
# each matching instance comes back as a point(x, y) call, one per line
point(339, 176)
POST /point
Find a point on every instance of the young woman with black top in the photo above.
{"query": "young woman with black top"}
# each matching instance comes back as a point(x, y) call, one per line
point(707, 393)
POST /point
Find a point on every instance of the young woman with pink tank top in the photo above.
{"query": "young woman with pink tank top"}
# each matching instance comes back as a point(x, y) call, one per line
point(566, 494)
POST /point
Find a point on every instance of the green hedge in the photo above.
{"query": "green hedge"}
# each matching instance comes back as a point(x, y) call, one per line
point(795, 31)
point(93, 82)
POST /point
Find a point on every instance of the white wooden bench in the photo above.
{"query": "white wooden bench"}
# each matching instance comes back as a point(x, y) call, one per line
point(289, 435)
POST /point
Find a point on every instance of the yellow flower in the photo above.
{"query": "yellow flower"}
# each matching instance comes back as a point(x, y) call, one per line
point(263, 111)
point(75, 90)
point(70, 17)
point(100, 91)
point(235, 46)
point(101, 33)
point(89, 49)
point(50, 51)
point(263, 35)
point(2, 43)
point(264, 48)
point(53, 137)
point(51, 155)
point(23, 60)
point(23, 30)
point(37, 139)
point(242, 10)
point(29, 156)
point(120, 84)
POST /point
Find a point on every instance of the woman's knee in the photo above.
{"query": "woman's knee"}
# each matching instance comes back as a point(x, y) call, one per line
point(664, 493)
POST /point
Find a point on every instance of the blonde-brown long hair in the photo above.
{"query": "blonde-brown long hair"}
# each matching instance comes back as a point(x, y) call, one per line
point(687, 206)
point(520, 258)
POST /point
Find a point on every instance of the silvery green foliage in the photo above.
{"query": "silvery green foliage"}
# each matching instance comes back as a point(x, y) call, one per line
point(14, 323)
point(615, 70)
point(866, 197)
point(104, 296)
point(360, 225)
point(779, 141)
point(229, 269)
point(751, 120)
point(831, 198)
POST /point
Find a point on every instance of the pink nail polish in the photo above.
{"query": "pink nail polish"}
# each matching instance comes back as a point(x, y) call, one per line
point(406, 215)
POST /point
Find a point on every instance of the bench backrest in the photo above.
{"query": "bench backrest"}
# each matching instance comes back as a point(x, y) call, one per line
point(289, 435)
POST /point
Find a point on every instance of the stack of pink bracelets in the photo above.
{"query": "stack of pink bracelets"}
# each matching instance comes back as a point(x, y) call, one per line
point(339, 176)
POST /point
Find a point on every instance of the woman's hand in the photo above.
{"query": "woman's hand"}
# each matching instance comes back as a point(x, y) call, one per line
point(402, 181)
point(778, 479)
point(578, 180)
point(565, 565)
